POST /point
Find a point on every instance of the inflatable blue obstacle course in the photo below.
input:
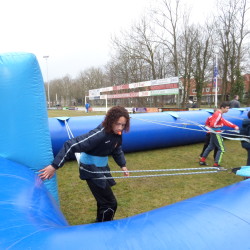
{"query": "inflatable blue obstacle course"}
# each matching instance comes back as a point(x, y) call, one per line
point(148, 131)
point(29, 215)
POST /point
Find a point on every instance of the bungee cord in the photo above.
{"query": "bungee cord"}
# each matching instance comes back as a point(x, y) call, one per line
point(156, 175)
point(204, 170)
point(236, 134)
point(203, 128)
point(235, 117)
point(166, 122)
point(167, 125)
point(149, 170)
point(70, 134)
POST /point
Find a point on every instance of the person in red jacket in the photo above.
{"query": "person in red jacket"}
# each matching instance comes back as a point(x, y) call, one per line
point(207, 138)
point(216, 123)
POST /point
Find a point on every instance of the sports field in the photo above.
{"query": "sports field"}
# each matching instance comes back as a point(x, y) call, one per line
point(138, 195)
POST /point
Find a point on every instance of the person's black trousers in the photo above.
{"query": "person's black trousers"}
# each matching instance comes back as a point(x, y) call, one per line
point(248, 157)
point(206, 143)
point(106, 201)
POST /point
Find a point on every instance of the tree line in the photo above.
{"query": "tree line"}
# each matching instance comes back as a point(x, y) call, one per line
point(165, 43)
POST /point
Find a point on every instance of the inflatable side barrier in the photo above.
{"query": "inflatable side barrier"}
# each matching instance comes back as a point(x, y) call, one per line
point(148, 131)
point(29, 214)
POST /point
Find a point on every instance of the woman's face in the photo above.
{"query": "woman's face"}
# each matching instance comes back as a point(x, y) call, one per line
point(119, 125)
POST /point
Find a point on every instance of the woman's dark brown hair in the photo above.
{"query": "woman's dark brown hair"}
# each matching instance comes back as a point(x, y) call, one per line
point(113, 115)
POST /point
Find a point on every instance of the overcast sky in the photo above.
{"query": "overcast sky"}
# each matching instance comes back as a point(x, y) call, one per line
point(75, 34)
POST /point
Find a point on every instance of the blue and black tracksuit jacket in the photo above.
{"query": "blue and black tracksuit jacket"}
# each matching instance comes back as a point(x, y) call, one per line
point(96, 142)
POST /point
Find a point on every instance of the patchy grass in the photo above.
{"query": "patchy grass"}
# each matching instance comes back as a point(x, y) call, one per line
point(138, 195)
point(71, 113)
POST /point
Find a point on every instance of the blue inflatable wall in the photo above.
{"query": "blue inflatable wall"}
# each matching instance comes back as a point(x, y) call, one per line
point(24, 136)
point(31, 219)
point(148, 131)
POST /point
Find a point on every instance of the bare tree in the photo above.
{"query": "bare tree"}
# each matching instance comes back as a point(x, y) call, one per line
point(240, 32)
point(186, 58)
point(60, 91)
point(232, 32)
point(167, 17)
point(139, 44)
point(123, 69)
point(56, 92)
point(169, 46)
point(203, 55)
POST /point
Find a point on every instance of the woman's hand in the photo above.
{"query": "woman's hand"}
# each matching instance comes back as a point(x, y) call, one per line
point(47, 172)
point(125, 171)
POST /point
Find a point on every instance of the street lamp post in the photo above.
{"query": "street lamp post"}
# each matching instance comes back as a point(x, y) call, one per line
point(46, 58)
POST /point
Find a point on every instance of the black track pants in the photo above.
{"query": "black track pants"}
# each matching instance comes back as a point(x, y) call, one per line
point(106, 201)
point(206, 143)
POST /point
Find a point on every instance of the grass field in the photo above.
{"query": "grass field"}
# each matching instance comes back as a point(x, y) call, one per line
point(138, 195)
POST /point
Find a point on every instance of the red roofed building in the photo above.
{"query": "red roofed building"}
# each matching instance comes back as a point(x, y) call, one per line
point(208, 92)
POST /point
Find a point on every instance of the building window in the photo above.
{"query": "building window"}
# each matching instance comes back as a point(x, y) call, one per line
point(217, 89)
point(207, 89)
point(193, 90)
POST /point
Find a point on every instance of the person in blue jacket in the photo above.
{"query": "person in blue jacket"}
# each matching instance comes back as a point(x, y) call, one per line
point(95, 147)
point(87, 105)
point(245, 130)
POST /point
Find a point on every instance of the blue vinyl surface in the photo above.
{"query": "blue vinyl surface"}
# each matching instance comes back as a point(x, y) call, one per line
point(148, 131)
point(30, 217)
point(24, 135)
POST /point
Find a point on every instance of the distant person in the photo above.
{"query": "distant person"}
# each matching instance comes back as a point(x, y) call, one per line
point(216, 124)
point(235, 102)
point(194, 105)
point(190, 103)
point(87, 106)
point(245, 130)
point(133, 110)
point(95, 147)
